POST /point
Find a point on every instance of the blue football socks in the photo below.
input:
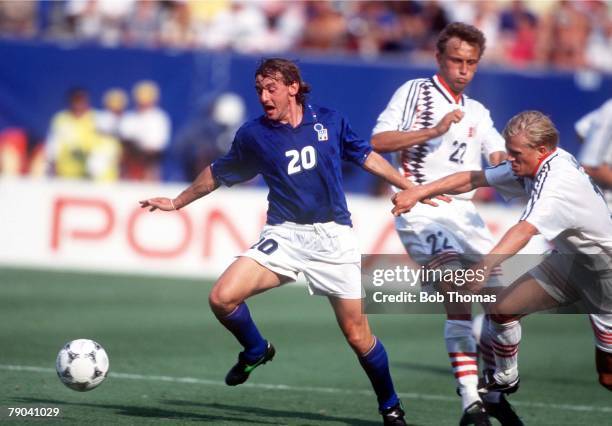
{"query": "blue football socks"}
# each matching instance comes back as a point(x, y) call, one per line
point(240, 323)
point(376, 365)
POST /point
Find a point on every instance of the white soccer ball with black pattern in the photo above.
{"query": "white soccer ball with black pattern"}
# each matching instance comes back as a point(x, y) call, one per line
point(82, 364)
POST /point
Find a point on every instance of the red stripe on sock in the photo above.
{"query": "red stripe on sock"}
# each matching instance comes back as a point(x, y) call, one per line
point(496, 344)
point(466, 373)
point(467, 354)
point(460, 363)
point(506, 354)
point(602, 337)
point(600, 333)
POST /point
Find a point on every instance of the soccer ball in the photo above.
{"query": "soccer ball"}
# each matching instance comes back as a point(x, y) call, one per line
point(82, 365)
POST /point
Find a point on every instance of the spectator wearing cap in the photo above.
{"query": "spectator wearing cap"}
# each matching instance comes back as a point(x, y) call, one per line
point(109, 119)
point(146, 132)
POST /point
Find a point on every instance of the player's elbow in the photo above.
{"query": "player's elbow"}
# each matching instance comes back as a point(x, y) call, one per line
point(477, 179)
point(378, 143)
point(375, 142)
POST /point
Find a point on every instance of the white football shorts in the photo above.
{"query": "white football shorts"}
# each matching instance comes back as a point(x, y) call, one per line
point(452, 235)
point(326, 253)
point(567, 281)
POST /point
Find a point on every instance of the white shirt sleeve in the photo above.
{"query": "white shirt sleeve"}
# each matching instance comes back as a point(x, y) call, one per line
point(584, 125)
point(507, 184)
point(492, 141)
point(400, 108)
point(597, 148)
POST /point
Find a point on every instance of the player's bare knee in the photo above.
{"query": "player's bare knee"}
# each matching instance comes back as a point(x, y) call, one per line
point(215, 303)
point(221, 301)
point(359, 340)
point(499, 314)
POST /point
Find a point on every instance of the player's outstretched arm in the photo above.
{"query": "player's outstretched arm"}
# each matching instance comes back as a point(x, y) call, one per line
point(204, 184)
point(377, 165)
point(514, 240)
point(511, 243)
point(396, 140)
point(457, 183)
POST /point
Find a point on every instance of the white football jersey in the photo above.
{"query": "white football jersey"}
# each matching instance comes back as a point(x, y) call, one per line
point(597, 133)
point(564, 204)
point(421, 104)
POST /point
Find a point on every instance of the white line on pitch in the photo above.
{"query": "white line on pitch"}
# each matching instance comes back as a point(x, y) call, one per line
point(408, 395)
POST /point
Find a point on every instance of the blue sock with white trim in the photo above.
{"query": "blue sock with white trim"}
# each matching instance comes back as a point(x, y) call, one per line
point(240, 323)
point(376, 365)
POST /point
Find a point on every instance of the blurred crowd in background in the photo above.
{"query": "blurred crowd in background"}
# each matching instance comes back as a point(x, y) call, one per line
point(545, 33)
point(124, 139)
point(103, 145)
point(128, 136)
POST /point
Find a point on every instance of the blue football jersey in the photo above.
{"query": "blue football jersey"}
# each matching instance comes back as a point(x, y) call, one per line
point(301, 166)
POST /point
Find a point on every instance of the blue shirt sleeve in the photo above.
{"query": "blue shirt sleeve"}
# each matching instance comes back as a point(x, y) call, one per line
point(238, 165)
point(354, 148)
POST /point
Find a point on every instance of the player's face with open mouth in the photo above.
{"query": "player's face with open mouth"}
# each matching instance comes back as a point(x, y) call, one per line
point(523, 158)
point(458, 63)
point(274, 96)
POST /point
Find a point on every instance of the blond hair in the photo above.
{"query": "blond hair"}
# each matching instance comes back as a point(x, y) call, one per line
point(115, 99)
point(537, 128)
point(146, 91)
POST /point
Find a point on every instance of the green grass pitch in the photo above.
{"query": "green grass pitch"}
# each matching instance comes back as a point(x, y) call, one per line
point(169, 357)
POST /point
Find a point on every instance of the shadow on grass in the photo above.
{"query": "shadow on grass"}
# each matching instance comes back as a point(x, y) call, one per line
point(143, 411)
point(276, 413)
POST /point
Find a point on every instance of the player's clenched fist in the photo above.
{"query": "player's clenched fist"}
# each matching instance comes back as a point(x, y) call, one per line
point(404, 201)
point(162, 203)
point(450, 118)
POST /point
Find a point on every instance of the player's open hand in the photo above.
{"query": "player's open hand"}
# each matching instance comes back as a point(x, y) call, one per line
point(444, 198)
point(161, 203)
point(452, 117)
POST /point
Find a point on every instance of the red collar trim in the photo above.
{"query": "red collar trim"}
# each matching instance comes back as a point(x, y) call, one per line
point(456, 97)
point(537, 167)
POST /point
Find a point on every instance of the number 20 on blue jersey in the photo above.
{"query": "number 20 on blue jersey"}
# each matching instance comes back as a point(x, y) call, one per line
point(301, 160)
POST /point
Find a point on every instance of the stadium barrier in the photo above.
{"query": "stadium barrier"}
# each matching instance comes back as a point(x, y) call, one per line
point(190, 80)
point(95, 227)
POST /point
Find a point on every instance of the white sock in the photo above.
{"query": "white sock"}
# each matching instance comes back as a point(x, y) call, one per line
point(505, 339)
point(483, 338)
point(484, 342)
point(461, 348)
